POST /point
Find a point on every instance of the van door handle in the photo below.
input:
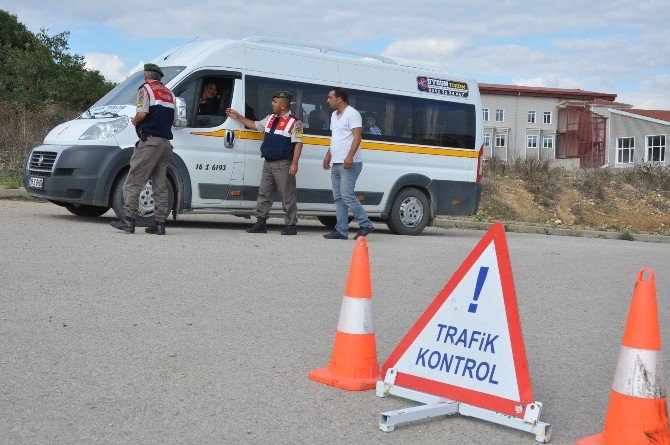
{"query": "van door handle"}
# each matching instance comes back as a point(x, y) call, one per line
point(230, 139)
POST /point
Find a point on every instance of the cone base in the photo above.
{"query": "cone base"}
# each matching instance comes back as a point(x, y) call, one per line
point(591, 440)
point(323, 375)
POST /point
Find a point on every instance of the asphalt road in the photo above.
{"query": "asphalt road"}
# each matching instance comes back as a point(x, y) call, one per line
point(207, 335)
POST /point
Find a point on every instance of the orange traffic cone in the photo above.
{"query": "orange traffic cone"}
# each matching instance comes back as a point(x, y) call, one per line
point(638, 413)
point(353, 365)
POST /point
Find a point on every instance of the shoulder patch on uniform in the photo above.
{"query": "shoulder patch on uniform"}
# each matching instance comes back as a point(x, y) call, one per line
point(141, 96)
point(298, 129)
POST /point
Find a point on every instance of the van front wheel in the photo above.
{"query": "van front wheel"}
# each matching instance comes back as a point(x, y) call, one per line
point(410, 212)
point(145, 215)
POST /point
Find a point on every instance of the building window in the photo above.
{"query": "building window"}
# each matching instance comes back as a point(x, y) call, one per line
point(546, 117)
point(501, 140)
point(656, 148)
point(500, 115)
point(548, 141)
point(485, 114)
point(625, 147)
point(531, 117)
point(487, 139)
point(531, 141)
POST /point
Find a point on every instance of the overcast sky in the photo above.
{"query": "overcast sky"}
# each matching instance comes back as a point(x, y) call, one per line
point(620, 47)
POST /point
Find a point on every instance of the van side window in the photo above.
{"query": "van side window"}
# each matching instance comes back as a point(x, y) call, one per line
point(445, 124)
point(309, 102)
point(206, 100)
point(314, 110)
point(373, 111)
point(386, 117)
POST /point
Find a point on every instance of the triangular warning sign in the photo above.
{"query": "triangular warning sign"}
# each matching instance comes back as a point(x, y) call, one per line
point(467, 346)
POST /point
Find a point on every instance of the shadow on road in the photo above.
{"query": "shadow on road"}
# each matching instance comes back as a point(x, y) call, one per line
point(273, 225)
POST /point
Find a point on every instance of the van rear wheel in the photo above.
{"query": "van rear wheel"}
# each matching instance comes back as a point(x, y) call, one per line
point(410, 212)
point(145, 216)
point(328, 221)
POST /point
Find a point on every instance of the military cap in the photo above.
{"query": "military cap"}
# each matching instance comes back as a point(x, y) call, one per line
point(283, 95)
point(153, 67)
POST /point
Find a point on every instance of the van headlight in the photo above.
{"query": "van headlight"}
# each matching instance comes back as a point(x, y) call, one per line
point(105, 130)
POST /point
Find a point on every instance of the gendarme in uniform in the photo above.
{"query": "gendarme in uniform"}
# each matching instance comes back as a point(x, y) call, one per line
point(153, 152)
point(282, 133)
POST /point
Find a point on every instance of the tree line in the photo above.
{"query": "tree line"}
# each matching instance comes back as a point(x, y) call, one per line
point(38, 70)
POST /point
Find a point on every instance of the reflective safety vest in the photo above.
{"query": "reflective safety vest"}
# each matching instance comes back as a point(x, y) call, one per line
point(158, 121)
point(277, 143)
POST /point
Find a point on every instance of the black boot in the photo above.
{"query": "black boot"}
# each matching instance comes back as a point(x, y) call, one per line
point(126, 224)
point(259, 227)
point(290, 230)
point(158, 228)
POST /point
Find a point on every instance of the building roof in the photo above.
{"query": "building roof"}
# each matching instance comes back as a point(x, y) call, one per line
point(560, 93)
point(609, 103)
point(597, 102)
point(663, 115)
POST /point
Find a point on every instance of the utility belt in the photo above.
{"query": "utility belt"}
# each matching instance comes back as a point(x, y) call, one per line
point(144, 135)
point(149, 135)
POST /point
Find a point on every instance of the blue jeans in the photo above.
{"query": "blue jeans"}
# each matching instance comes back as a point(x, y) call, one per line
point(344, 181)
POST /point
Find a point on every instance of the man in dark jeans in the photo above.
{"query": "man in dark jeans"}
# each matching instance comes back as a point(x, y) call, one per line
point(345, 162)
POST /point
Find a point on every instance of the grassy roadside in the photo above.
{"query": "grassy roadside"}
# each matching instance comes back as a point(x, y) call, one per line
point(629, 201)
point(10, 180)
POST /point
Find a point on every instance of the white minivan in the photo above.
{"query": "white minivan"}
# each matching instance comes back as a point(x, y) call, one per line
point(422, 158)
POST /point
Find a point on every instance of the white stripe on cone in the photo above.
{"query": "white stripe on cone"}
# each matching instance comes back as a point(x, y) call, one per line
point(356, 316)
point(639, 373)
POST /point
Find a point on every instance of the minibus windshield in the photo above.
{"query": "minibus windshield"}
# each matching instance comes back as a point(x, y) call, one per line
point(125, 93)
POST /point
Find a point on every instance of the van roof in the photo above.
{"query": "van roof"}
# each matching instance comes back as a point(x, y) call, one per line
point(188, 53)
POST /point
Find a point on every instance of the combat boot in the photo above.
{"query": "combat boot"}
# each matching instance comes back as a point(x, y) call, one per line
point(259, 227)
point(126, 224)
point(158, 228)
point(290, 230)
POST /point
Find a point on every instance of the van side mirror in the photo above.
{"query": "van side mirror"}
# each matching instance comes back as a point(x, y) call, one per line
point(180, 113)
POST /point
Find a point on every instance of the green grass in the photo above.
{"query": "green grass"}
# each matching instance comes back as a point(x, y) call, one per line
point(10, 180)
point(626, 235)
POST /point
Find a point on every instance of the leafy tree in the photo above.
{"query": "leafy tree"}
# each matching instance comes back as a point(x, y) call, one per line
point(39, 70)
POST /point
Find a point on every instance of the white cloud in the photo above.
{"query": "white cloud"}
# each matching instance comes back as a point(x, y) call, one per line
point(652, 94)
point(600, 45)
point(110, 66)
point(428, 49)
point(531, 82)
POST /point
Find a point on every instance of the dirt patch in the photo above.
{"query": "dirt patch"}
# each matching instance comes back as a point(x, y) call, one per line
point(635, 199)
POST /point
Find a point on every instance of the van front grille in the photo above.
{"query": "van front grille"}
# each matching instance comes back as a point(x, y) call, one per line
point(42, 161)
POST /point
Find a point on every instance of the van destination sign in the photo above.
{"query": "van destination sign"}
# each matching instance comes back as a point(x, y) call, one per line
point(442, 86)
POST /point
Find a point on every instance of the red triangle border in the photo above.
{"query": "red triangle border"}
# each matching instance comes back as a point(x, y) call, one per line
point(496, 235)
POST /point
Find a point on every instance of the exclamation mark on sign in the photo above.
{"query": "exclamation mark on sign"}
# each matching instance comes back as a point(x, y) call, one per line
point(483, 271)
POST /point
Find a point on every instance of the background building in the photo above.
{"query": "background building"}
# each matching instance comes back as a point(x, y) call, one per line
point(573, 128)
point(638, 136)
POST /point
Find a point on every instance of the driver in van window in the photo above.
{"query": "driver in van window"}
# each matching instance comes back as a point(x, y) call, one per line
point(209, 101)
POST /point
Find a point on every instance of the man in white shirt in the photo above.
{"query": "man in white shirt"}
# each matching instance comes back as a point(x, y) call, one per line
point(345, 162)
